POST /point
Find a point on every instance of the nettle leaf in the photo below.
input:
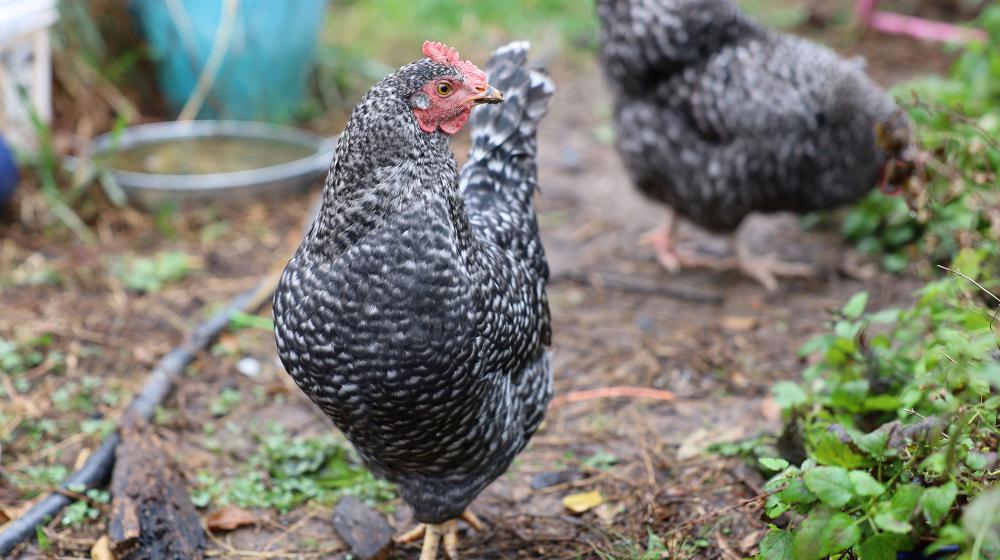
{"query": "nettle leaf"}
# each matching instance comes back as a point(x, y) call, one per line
point(992, 403)
point(886, 316)
point(822, 533)
point(831, 451)
point(905, 500)
point(865, 484)
point(855, 306)
point(773, 464)
point(777, 545)
point(788, 394)
point(981, 520)
point(882, 402)
point(881, 547)
point(936, 463)
point(850, 395)
point(819, 343)
point(975, 461)
point(873, 443)
point(847, 331)
point(978, 385)
point(774, 506)
point(887, 520)
point(935, 502)
point(830, 484)
point(797, 493)
point(990, 371)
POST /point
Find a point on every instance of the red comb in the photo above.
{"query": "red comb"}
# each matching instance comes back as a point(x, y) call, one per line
point(443, 54)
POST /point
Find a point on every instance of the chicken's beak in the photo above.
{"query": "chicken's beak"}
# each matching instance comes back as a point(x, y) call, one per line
point(491, 95)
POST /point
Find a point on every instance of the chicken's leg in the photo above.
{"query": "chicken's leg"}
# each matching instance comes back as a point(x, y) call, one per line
point(662, 238)
point(432, 534)
point(766, 268)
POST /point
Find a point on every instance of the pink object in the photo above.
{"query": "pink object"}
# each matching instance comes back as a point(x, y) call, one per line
point(899, 24)
point(443, 54)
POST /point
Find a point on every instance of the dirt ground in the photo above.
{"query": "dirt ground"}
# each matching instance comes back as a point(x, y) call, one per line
point(716, 340)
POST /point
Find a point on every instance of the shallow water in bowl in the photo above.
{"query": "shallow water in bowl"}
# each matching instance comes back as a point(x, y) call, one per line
point(190, 156)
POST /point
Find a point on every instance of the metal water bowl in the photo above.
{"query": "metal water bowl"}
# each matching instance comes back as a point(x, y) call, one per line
point(151, 189)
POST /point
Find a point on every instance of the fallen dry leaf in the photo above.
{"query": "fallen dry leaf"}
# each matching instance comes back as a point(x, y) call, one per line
point(607, 512)
point(701, 439)
point(749, 543)
point(770, 410)
point(738, 322)
point(102, 549)
point(583, 502)
point(229, 518)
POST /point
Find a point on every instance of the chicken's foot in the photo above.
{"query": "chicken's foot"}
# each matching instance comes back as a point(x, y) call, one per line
point(662, 239)
point(765, 269)
point(433, 533)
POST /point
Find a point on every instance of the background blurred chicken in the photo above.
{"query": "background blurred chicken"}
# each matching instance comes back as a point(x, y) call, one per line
point(717, 117)
point(414, 312)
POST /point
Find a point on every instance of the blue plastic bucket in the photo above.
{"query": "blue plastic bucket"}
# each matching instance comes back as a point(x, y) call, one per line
point(267, 61)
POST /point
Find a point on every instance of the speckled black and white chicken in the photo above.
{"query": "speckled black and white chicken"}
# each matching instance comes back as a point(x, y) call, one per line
point(717, 117)
point(414, 312)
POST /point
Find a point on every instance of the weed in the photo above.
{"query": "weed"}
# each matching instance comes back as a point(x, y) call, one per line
point(241, 320)
point(285, 472)
point(895, 419)
point(82, 511)
point(32, 480)
point(601, 460)
point(225, 402)
point(960, 204)
point(147, 275)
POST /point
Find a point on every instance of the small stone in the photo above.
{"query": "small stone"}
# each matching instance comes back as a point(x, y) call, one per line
point(248, 366)
point(546, 479)
point(365, 532)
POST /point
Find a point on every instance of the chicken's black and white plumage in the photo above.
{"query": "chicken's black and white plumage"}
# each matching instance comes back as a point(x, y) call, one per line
point(414, 312)
point(717, 116)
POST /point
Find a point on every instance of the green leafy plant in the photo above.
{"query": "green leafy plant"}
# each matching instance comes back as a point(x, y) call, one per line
point(241, 320)
point(897, 419)
point(82, 511)
point(285, 472)
point(225, 402)
point(147, 275)
point(958, 121)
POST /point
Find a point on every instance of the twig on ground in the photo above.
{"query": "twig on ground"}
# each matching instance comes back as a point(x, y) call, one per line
point(719, 512)
point(628, 284)
point(611, 393)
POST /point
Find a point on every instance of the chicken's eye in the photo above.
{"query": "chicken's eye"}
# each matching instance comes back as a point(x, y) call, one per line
point(444, 89)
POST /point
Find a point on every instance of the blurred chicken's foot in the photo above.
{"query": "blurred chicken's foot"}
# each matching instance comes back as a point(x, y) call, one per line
point(432, 535)
point(413, 535)
point(472, 520)
point(661, 239)
point(765, 269)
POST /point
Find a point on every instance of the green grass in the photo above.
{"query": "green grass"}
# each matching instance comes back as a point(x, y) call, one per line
point(394, 30)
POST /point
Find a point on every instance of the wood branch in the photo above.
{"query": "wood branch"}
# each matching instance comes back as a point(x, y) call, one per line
point(629, 284)
point(152, 516)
